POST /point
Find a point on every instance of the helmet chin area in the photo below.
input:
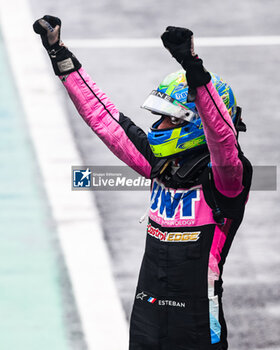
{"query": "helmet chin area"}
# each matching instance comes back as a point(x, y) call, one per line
point(168, 140)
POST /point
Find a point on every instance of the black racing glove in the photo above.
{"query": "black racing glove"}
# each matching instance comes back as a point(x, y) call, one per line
point(63, 61)
point(179, 42)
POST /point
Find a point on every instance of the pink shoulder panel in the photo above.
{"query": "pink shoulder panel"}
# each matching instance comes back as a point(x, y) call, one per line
point(221, 140)
point(102, 116)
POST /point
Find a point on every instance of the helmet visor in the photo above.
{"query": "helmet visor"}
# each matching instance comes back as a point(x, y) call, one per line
point(163, 104)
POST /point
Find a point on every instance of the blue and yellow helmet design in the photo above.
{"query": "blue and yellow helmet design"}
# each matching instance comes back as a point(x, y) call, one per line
point(170, 99)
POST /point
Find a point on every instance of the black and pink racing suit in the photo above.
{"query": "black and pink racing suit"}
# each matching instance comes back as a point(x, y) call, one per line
point(178, 299)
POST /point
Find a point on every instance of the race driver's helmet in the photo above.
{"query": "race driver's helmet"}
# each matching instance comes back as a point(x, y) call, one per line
point(171, 99)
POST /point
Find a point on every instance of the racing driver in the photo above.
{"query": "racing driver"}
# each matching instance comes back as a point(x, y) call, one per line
point(200, 184)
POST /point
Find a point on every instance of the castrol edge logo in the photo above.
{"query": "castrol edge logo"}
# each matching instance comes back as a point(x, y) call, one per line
point(172, 236)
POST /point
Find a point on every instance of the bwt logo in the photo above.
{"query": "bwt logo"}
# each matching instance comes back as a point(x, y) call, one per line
point(82, 178)
point(167, 202)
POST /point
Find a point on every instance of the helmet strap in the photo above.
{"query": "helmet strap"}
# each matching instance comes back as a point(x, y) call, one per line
point(240, 126)
point(191, 94)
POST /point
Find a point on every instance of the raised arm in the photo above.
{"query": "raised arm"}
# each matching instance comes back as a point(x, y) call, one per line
point(127, 141)
point(217, 124)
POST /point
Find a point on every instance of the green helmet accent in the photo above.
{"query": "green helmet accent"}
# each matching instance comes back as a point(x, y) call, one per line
point(170, 99)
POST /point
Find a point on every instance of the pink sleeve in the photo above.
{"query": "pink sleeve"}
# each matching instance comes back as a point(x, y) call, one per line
point(221, 141)
point(103, 117)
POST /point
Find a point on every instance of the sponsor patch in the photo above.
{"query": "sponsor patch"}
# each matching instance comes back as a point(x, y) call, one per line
point(141, 296)
point(172, 236)
point(171, 204)
point(160, 302)
point(65, 65)
point(183, 237)
point(171, 303)
point(64, 78)
point(155, 232)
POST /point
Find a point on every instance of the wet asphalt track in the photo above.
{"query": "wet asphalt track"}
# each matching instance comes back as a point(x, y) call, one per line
point(252, 272)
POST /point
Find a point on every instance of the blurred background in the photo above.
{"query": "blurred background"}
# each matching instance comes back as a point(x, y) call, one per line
point(39, 307)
